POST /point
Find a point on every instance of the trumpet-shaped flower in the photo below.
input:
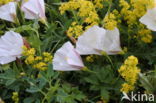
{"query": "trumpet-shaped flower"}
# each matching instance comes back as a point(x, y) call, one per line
point(149, 19)
point(34, 9)
point(10, 47)
point(8, 11)
point(67, 59)
point(96, 40)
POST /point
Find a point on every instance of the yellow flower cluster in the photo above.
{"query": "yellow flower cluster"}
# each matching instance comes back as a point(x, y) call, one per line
point(129, 71)
point(126, 87)
point(15, 97)
point(84, 9)
point(110, 21)
point(90, 58)
point(88, 12)
point(71, 5)
point(75, 30)
point(98, 3)
point(145, 34)
point(2, 2)
point(30, 53)
point(133, 10)
point(38, 62)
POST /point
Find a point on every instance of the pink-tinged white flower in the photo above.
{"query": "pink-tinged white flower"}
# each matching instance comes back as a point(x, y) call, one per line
point(96, 40)
point(149, 19)
point(8, 11)
point(10, 47)
point(34, 9)
point(67, 59)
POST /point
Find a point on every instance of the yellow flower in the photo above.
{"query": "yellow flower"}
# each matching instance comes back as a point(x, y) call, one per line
point(71, 5)
point(87, 12)
point(145, 35)
point(129, 71)
point(2, 2)
point(133, 10)
point(75, 30)
point(98, 3)
point(37, 62)
point(27, 52)
point(30, 59)
point(47, 57)
point(90, 58)
point(31, 51)
point(38, 58)
point(15, 97)
point(40, 66)
point(126, 88)
point(131, 61)
point(110, 21)
point(46, 54)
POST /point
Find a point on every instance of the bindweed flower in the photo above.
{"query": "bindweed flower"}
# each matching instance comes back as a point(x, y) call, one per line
point(149, 19)
point(34, 9)
point(8, 12)
point(96, 40)
point(10, 47)
point(67, 59)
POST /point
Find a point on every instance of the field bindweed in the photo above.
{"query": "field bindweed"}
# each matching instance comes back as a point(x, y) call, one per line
point(10, 47)
point(67, 59)
point(96, 39)
point(8, 11)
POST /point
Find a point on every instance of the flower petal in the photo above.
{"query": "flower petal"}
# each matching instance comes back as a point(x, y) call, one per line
point(7, 59)
point(67, 59)
point(96, 40)
point(10, 46)
point(112, 42)
point(90, 41)
point(149, 19)
point(34, 9)
point(8, 11)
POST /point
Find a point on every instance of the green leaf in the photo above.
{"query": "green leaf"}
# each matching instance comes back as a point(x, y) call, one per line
point(29, 100)
point(22, 28)
point(34, 41)
point(104, 94)
point(8, 76)
point(146, 83)
point(33, 89)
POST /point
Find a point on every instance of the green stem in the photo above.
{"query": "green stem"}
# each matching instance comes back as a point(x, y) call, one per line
point(55, 46)
point(88, 70)
point(60, 23)
point(75, 16)
point(38, 38)
point(110, 5)
point(109, 59)
point(108, 11)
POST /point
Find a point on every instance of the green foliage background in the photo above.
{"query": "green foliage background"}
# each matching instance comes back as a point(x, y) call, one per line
point(71, 87)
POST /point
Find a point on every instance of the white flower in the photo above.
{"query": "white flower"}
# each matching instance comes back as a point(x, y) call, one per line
point(10, 47)
point(149, 19)
point(96, 40)
point(8, 11)
point(67, 59)
point(34, 9)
